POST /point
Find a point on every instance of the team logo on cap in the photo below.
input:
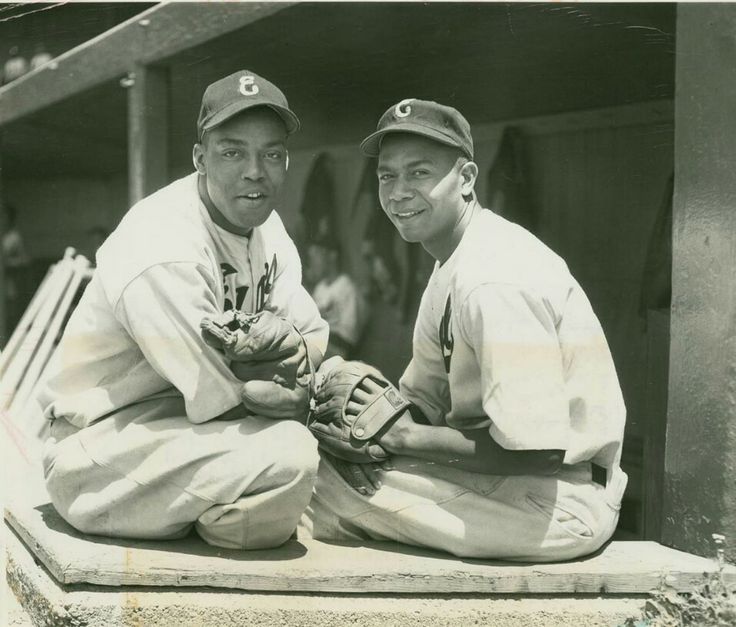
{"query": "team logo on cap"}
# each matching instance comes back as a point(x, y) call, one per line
point(403, 109)
point(247, 85)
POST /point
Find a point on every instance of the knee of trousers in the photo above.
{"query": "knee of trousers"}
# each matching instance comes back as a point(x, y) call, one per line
point(296, 457)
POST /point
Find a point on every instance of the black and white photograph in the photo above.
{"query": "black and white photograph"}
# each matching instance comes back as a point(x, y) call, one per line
point(368, 313)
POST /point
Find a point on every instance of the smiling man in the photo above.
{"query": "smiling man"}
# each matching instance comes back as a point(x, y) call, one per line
point(153, 431)
point(504, 437)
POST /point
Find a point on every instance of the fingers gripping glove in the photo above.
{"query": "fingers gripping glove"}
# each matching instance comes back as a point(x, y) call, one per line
point(352, 436)
point(270, 356)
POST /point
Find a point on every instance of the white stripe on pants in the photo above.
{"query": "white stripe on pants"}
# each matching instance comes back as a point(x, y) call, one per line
point(147, 472)
point(521, 518)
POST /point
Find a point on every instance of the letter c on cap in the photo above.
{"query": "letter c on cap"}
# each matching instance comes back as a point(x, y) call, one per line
point(403, 109)
point(248, 86)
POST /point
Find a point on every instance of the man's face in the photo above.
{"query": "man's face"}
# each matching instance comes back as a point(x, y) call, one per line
point(244, 160)
point(420, 186)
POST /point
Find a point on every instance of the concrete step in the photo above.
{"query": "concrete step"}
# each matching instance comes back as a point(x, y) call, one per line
point(55, 605)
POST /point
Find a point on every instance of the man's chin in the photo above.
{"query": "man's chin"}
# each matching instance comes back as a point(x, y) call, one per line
point(254, 217)
point(409, 235)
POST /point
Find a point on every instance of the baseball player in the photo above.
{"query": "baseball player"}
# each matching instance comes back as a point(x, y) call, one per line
point(338, 300)
point(505, 432)
point(180, 386)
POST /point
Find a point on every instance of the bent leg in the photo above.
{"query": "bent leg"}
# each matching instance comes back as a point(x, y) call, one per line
point(274, 492)
point(468, 514)
point(147, 472)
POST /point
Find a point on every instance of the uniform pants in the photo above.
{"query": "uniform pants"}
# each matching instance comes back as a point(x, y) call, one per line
point(520, 518)
point(147, 472)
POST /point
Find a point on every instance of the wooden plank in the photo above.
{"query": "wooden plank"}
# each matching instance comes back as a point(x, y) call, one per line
point(47, 345)
point(148, 131)
point(35, 424)
point(152, 36)
point(30, 342)
point(371, 567)
point(28, 315)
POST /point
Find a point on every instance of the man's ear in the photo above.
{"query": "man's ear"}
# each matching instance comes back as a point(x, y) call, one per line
point(469, 173)
point(287, 160)
point(198, 158)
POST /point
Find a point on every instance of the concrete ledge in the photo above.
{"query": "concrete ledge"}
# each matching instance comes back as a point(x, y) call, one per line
point(312, 566)
point(52, 604)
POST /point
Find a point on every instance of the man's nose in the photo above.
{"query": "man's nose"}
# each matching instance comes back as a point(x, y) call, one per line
point(253, 169)
point(400, 190)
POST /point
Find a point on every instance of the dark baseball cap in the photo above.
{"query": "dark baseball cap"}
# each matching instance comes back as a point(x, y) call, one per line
point(422, 117)
point(240, 91)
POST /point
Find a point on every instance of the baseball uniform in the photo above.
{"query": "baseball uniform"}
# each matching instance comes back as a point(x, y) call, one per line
point(135, 449)
point(339, 303)
point(506, 341)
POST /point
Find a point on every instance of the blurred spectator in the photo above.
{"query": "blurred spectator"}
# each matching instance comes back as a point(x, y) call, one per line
point(336, 296)
point(17, 268)
point(40, 56)
point(15, 67)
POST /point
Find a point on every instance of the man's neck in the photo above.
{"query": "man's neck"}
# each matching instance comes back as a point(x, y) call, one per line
point(442, 247)
point(214, 213)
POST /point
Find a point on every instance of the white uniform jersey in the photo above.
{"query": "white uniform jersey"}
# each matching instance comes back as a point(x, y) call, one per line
point(135, 333)
point(505, 339)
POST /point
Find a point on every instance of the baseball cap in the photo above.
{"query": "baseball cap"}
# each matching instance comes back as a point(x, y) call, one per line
point(422, 117)
point(242, 90)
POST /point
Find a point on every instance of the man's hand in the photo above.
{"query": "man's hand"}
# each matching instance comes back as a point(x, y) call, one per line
point(270, 356)
point(363, 478)
point(350, 414)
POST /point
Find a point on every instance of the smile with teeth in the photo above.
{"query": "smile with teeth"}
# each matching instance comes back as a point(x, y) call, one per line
point(253, 196)
point(405, 215)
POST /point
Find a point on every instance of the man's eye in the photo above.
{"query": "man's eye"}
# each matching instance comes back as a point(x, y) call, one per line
point(230, 154)
point(275, 155)
point(385, 177)
point(420, 172)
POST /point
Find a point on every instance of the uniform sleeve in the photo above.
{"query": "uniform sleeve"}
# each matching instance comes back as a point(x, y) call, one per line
point(291, 301)
point(424, 382)
point(161, 309)
point(424, 391)
point(514, 338)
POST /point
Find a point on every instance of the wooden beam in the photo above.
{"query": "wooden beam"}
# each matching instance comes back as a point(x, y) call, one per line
point(700, 452)
point(148, 38)
point(148, 131)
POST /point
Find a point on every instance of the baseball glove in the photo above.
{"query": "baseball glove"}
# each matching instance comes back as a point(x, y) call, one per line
point(347, 435)
point(270, 356)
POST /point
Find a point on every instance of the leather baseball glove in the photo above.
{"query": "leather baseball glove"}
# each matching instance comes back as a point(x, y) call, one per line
point(270, 356)
point(350, 432)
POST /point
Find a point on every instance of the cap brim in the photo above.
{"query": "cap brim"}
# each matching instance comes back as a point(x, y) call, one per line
point(371, 145)
point(289, 118)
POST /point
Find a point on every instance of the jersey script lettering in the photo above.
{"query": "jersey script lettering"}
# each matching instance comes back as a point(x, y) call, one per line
point(447, 341)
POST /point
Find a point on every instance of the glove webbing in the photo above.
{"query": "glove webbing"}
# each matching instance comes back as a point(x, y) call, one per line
point(381, 410)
